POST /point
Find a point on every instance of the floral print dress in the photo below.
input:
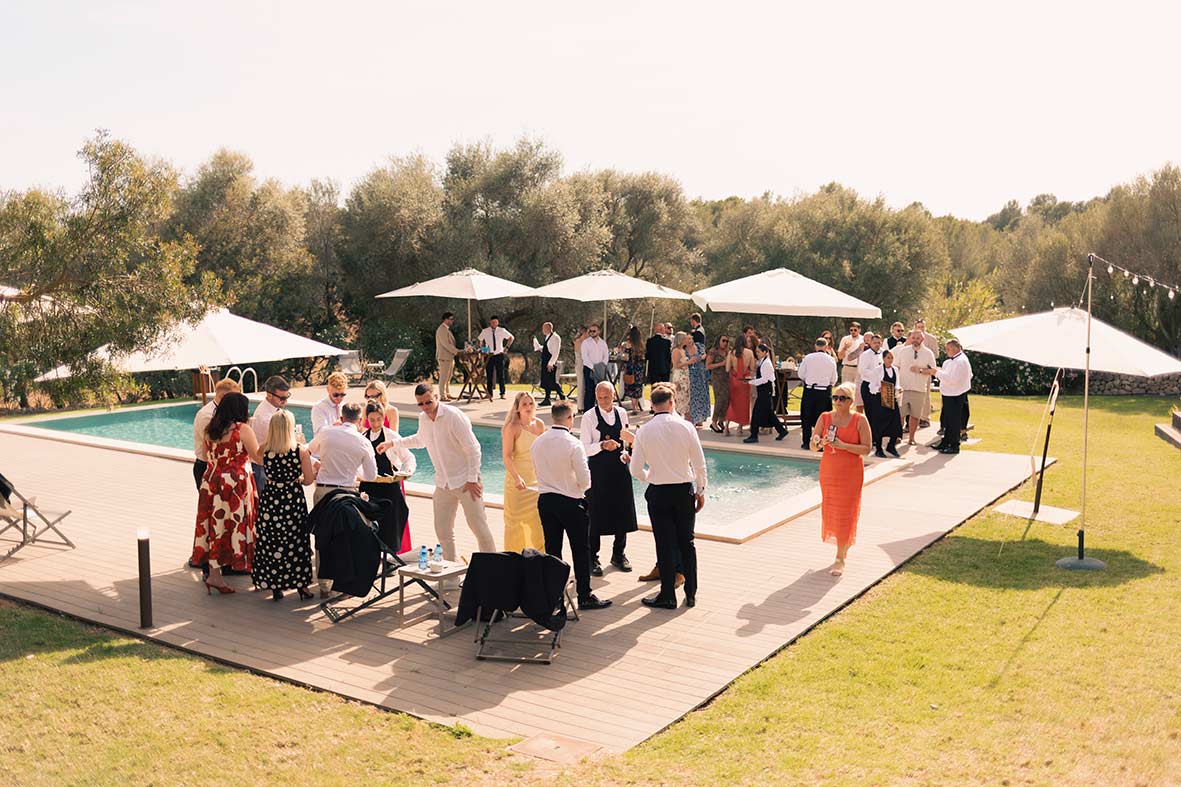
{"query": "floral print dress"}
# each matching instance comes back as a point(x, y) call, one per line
point(226, 503)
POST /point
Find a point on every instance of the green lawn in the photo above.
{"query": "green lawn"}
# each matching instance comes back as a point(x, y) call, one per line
point(979, 662)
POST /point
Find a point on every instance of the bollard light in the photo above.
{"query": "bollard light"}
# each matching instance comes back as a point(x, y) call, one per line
point(145, 578)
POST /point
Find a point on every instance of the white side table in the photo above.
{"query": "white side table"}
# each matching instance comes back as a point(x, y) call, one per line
point(410, 573)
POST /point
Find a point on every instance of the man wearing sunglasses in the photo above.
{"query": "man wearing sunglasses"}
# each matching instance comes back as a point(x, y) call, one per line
point(278, 391)
point(327, 410)
point(595, 357)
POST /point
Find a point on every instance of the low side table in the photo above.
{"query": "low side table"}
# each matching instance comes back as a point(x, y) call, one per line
point(413, 572)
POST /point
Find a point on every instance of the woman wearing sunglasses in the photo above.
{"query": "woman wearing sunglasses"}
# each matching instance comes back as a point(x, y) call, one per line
point(844, 438)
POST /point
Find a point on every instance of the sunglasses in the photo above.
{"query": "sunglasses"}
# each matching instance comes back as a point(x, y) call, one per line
point(281, 397)
point(842, 398)
point(372, 396)
point(337, 395)
point(427, 403)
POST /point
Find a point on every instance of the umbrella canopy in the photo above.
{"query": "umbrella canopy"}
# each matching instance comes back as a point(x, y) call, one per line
point(220, 339)
point(785, 292)
point(607, 285)
point(469, 284)
point(1058, 339)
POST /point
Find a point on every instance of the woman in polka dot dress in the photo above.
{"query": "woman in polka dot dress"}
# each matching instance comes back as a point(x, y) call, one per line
point(282, 551)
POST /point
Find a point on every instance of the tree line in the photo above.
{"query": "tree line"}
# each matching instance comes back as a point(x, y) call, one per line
point(142, 245)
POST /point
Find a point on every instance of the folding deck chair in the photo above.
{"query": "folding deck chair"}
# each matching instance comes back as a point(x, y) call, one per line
point(24, 516)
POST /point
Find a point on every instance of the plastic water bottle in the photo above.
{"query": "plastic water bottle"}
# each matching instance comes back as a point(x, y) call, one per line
point(438, 553)
point(422, 558)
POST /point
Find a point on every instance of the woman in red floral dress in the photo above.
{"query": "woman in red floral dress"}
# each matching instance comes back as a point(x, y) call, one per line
point(228, 499)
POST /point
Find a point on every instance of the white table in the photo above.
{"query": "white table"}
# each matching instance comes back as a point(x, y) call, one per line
point(411, 573)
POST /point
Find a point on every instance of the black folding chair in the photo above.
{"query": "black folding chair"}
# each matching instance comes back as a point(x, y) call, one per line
point(25, 517)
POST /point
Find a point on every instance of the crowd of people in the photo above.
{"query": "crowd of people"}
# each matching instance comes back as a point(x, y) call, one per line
point(251, 469)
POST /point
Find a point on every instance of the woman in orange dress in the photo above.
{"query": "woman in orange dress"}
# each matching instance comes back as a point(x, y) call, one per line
point(844, 437)
point(739, 364)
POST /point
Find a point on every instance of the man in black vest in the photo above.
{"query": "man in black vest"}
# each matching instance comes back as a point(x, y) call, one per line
point(659, 352)
point(550, 348)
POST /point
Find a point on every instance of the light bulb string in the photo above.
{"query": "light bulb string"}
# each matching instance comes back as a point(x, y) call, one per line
point(1172, 289)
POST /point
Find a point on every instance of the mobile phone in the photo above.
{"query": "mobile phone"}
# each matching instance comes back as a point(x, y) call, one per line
point(832, 433)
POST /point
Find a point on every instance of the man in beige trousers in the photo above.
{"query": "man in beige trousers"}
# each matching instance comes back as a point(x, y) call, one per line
point(445, 352)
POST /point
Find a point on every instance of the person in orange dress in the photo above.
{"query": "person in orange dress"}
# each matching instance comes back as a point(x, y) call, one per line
point(844, 438)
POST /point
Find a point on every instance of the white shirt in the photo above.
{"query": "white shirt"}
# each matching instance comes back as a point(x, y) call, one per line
point(818, 369)
point(555, 346)
point(344, 455)
point(594, 351)
point(401, 458)
point(559, 460)
point(871, 369)
point(451, 445)
point(766, 374)
point(204, 416)
point(906, 356)
point(851, 349)
point(325, 413)
point(955, 377)
point(668, 451)
point(494, 339)
point(588, 429)
point(260, 422)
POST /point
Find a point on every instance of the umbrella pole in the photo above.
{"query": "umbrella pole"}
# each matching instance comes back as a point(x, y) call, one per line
point(469, 319)
point(1037, 495)
point(604, 331)
point(1082, 562)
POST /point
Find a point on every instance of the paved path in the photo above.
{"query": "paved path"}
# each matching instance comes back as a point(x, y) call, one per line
point(622, 675)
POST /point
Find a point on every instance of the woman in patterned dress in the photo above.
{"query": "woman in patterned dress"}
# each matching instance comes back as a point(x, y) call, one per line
point(283, 552)
point(633, 368)
point(227, 500)
point(699, 407)
point(680, 373)
point(719, 380)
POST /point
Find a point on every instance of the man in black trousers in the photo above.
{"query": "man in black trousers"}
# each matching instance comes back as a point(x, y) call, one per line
point(563, 476)
point(818, 374)
point(659, 352)
point(667, 455)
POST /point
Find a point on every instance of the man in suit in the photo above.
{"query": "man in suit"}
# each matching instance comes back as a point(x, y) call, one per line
point(658, 351)
point(445, 352)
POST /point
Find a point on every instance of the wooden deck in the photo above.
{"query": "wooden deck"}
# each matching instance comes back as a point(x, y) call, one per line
point(622, 675)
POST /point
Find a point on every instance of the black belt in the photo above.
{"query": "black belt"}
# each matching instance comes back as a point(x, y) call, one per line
point(819, 387)
point(337, 486)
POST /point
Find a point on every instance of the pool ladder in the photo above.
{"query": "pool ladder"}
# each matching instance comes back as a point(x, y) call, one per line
point(242, 376)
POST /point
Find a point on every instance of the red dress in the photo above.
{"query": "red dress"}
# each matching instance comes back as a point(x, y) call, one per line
point(739, 409)
point(842, 475)
point(226, 507)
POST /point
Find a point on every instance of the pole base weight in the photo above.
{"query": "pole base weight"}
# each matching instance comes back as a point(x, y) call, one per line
point(1081, 564)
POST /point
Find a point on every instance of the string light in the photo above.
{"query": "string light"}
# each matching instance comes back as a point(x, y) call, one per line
point(1170, 290)
point(1110, 270)
point(1135, 280)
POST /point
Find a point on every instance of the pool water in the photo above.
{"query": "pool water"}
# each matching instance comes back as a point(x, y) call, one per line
point(739, 483)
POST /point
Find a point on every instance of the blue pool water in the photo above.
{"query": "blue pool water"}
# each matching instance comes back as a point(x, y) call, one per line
point(739, 484)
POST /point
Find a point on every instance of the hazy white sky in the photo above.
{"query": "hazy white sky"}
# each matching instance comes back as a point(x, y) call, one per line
point(961, 106)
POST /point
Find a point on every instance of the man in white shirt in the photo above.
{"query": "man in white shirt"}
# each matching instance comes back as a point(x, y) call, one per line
point(667, 455)
point(763, 412)
point(445, 352)
point(818, 374)
point(912, 360)
point(563, 477)
point(869, 369)
point(496, 340)
point(446, 434)
point(595, 357)
point(204, 415)
point(849, 354)
point(932, 344)
point(955, 380)
point(327, 410)
point(604, 431)
point(278, 391)
point(550, 348)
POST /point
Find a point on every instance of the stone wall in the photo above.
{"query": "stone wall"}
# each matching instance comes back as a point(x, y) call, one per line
point(1103, 384)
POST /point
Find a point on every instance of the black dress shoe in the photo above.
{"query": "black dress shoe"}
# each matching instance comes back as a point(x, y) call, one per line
point(893, 451)
point(948, 450)
point(545, 403)
point(596, 568)
point(879, 453)
point(690, 601)
point(751, 440)
point(660, 603)
point(781, 436)
point(622, 563)
point(592, 602)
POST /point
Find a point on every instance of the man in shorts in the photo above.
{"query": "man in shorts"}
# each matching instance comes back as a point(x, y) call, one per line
point(910, 360)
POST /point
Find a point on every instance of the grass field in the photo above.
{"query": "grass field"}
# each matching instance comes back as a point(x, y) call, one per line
point(978, 662)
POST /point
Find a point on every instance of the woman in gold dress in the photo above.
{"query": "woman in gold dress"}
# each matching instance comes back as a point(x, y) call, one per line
point(522, 524)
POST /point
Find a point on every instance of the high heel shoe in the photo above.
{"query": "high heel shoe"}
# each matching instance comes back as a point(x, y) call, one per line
point(222, 589)
point(276, 595)
point(304, 594)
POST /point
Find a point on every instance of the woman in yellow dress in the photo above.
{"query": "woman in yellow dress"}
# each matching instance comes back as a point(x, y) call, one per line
point(522, 524)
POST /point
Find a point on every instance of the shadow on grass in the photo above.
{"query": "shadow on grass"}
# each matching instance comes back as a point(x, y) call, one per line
point(1023, 565)
point(27, 632)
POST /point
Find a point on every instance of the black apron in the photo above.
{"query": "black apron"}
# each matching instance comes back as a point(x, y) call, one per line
point(388, 530)
point(549, 378)
point(763, 414)
point(888, 421)
point(612, 505)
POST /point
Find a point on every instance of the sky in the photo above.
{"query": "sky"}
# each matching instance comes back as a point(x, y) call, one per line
point(961, 106)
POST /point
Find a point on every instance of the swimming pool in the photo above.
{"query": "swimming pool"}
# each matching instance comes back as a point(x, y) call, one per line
point(739, 483)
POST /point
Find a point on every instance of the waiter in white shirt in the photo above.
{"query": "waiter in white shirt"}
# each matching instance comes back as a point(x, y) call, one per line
point(550, 348)
point(818, 374)
point(955, 380)
point(667, 455)
point(604, 433)
point(446, 434)
point(563, 477)
point(496, 340)
point(345, 456)
point(595, 357)
point(870, 371)
point(763, 413)
point(327, 410)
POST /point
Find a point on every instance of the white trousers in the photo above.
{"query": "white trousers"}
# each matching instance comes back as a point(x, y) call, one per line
point(445, 503)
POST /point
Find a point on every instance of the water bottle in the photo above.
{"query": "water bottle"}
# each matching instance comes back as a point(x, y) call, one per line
point(422, 558)
point(438, 553)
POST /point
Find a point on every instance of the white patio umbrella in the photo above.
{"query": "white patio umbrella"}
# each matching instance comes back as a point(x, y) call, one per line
point(606, 285)
point(783, 292)
point(1069, 338)
point(219, 339)
point(468, 284)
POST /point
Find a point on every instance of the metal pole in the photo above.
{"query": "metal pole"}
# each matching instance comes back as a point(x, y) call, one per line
point(1086, 402)
point(1037, 497)
point(145, 579)
point(469, 319)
